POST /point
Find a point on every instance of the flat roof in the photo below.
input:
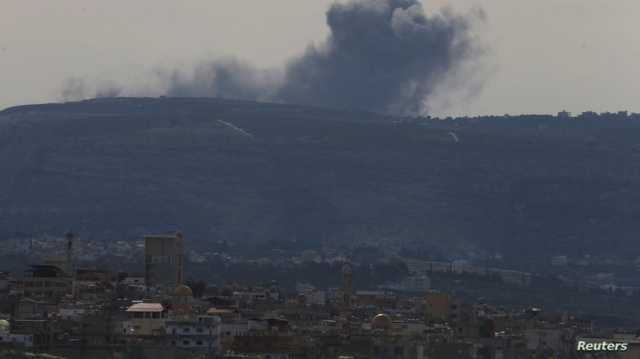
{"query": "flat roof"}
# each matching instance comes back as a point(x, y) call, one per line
point(146, 307)
point(214, 311)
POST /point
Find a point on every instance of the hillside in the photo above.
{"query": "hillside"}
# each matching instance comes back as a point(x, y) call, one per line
point(252, 173)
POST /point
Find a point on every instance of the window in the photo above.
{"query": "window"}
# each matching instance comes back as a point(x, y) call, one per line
point(186, 342)
point(199, 342)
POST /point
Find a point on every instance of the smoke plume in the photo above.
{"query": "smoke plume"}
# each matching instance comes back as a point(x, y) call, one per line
point(380, 55)
point(75, 88)
point(229, 78)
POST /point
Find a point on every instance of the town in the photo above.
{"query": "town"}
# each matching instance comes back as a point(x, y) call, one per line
point(65, 308)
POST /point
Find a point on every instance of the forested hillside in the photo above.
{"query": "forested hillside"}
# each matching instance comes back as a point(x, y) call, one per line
point(253, 173)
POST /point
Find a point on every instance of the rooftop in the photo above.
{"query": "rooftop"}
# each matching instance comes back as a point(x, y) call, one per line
point(216, 311)
point(146, 307)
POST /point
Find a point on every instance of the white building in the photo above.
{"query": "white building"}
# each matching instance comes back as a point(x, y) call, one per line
point(4, 330)
point(202, 333)
point(145, 319)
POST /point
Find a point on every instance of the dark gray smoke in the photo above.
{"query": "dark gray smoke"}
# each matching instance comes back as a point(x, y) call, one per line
point(74, 89)
point(380, 55)
point(229, 78)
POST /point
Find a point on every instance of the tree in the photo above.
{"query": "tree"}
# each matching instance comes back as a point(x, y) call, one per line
point(198, 287)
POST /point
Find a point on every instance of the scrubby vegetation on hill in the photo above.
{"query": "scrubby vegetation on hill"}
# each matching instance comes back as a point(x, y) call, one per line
point(254, 173)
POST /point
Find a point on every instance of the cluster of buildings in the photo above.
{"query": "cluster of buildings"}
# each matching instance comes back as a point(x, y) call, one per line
point(67, 311)
point(588, 271)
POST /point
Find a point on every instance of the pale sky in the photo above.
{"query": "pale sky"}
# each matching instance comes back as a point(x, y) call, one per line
point(546, 55)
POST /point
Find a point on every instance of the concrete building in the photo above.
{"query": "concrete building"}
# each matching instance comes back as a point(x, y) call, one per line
point(164, 261)
point(443, 307)
point(145, 319)
point(45, 282)
point(29, 308)
point(29, 333)
point(5, 280)
point(53, 279)
point(197, 333)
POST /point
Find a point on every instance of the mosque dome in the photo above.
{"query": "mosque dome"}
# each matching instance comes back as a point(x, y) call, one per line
point(381, 322)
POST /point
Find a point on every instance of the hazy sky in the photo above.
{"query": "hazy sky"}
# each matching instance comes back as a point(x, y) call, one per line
point(545, 55)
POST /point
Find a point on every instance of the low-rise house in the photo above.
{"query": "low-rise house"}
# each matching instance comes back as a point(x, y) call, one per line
point(197, 333)
point(31, 333)
point(145, 319)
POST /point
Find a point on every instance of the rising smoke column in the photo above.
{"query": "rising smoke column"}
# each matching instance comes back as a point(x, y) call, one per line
point(381, 55)
point(228, 78)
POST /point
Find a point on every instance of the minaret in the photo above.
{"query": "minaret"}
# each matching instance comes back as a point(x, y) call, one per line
point(69, 236)
point(71, 268)
point(346, 300)
point(179, 259)
point(347, 286)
